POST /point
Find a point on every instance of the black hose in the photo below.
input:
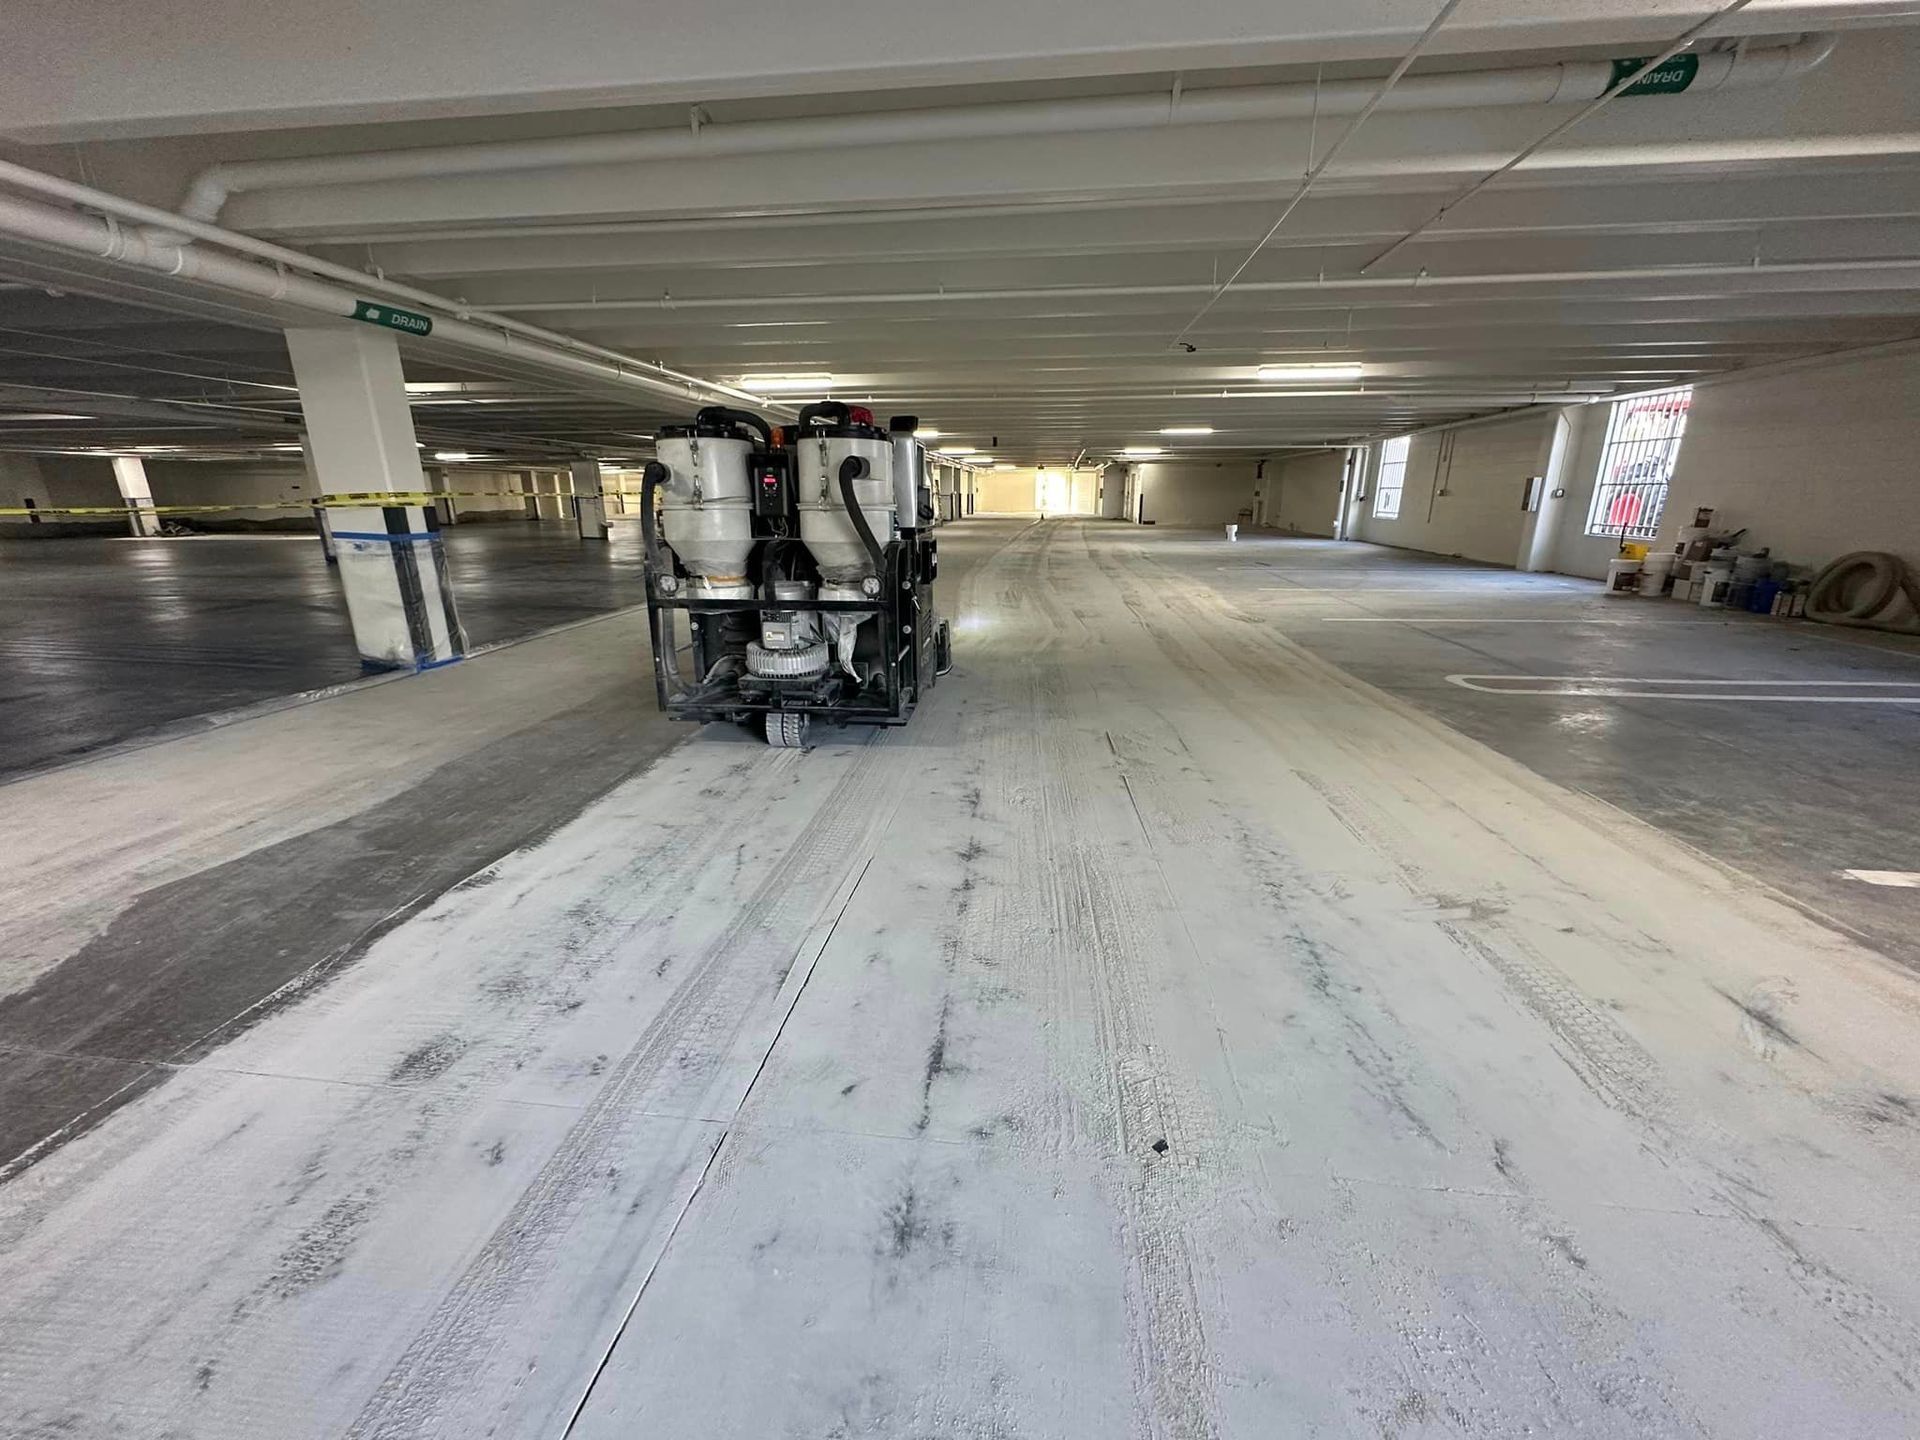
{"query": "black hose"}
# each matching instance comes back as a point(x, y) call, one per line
point(726, 415)
point(834, 409)
point(652, 477)
point(852, 469)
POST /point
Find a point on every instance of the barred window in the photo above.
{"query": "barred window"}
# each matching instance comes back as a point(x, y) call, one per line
point(1636, 464)
point(1393, 473)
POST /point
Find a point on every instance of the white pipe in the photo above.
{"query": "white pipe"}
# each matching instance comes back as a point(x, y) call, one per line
point(166, 230)
point(1317, 284)
point(1568, 82)
point(143, 249)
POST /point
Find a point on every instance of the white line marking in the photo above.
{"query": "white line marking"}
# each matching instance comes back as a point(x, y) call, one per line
point(1490, 620)
point(1900, 879)
point(1618, 687)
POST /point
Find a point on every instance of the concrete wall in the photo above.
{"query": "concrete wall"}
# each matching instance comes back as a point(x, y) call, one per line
point(53, 481)
point(259, 485)
point(1194, 494)
point(1814, 462)
point(499, 496)
point(1301, 494)
point(1005, 492)
point(1463, 489)
point(1054, 489)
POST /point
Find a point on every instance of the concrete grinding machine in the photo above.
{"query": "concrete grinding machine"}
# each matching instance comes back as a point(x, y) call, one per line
point(804, 560)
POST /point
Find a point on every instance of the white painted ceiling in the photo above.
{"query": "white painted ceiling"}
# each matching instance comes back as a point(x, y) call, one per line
point(1039, 280)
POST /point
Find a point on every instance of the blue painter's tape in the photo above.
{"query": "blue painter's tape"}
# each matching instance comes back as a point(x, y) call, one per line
point(370, 535)
point(439, 664)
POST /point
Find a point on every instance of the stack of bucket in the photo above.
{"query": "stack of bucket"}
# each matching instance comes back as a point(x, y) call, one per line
point(1655, 571)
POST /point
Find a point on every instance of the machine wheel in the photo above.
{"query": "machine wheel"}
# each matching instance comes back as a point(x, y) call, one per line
point(787, 731)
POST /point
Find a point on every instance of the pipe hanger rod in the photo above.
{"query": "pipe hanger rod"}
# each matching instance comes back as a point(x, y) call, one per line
point(1320, 166)
point(1620, 84)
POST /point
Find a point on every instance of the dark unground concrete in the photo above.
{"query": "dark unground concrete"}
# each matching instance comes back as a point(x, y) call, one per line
point(1792, 793)
point(105, 639)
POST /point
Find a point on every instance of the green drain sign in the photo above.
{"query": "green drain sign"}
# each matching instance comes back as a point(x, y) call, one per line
point(410, 321)
point(1674, 75)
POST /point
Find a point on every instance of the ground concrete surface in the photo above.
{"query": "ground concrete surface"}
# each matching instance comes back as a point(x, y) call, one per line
point(110, 639)
point(1168, 1034)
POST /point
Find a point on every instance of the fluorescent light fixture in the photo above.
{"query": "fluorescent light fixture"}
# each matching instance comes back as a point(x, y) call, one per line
point(1186, 429)
point(926, 433)
point(41, 415)
point(1141, 451)
point(1005, 465)
point(1344, 371)
point(452, 455)
point(764, 384)
point(958, 450)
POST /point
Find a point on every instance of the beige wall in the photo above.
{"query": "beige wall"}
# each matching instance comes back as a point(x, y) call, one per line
point(1814, 462)
point(1463, 489)
point(1005, 492)
point(52, 481)
point(1019, 492)
point(1302, 494)
point(265, 484)
point(1195, 494)
point(496, 494)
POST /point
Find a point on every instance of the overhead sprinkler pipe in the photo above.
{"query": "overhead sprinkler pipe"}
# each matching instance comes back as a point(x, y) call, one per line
point(1563, 83)
point(1898, 266)
point(156, 241)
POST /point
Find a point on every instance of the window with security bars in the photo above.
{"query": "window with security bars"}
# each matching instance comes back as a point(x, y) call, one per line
point(1636, 464)
point(1393, 474)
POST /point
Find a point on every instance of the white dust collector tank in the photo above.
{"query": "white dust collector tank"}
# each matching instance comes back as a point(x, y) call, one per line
point(826, 527)
point(706, 512)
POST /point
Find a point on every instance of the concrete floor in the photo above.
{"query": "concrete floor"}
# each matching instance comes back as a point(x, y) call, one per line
point(110, 639)
point(1172, 1032)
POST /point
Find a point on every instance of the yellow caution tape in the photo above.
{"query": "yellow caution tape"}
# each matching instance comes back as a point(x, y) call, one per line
point(353, 500)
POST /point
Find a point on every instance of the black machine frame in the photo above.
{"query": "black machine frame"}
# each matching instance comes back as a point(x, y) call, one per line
point(910, 634)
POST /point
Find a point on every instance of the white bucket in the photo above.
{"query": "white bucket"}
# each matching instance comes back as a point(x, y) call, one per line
point(1233, 532)
point(1623, 577)
point(1749, 568)
point(1654, 572)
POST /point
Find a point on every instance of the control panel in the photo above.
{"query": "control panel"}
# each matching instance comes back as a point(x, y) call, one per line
point(773, 485)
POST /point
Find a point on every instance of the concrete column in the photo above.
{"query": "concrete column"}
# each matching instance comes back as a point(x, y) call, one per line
point(393, 567)
point(589, 506)
point(439, 482)
point(1540, 526)
point(130, 473)
point(530, 487)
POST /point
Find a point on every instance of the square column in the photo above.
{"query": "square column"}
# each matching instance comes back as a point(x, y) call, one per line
point(589, 506)
point(440, 484)
point(130, 474)
point(385, 530)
